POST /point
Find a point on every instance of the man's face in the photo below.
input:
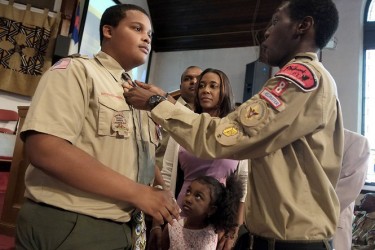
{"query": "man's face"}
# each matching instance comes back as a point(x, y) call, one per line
point(281, 40)
point(130, 42)
point(189, 83)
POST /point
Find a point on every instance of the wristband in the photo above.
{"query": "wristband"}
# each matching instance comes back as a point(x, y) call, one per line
point(154, 228)
point(166, 95)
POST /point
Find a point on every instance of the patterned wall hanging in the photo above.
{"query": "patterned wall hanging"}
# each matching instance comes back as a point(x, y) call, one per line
point(27, 41)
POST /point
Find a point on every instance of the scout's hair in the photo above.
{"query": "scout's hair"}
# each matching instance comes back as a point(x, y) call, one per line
point(324, 13)
point(114, 14)
point(226, 199)
point(226, 99)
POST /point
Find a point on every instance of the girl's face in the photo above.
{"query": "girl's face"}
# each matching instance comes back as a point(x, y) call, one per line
point(197, 202)
point(209, 92)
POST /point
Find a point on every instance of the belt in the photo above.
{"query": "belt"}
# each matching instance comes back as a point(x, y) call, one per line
point(262, 243)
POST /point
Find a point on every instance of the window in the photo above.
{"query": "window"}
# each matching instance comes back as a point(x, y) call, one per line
point(368, 113)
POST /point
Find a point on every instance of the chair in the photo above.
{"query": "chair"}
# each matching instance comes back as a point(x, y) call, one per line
point(8, 128)
point(8, 116)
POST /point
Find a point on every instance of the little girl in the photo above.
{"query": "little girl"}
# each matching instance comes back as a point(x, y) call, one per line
point(209, 206)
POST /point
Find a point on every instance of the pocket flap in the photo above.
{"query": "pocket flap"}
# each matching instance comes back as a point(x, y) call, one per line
point(114, 103)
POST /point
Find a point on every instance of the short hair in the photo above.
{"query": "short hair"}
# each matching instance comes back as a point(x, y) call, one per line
point(226, 99)
point(114, 14)
point(184, 73)
point(324, 13)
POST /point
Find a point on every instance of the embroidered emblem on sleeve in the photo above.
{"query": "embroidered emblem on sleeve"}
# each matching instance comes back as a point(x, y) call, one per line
point(227, 133)
point(61, 64)
point(300, 74)
point(274, 101)
point(280, 88)
point(253, 113)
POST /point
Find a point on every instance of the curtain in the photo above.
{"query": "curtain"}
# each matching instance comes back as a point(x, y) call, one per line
point(27, 41)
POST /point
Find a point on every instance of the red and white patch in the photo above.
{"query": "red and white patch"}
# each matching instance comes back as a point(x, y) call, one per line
point(280, 88)
point(300, 74)
point(61, 64)
point(275, 102)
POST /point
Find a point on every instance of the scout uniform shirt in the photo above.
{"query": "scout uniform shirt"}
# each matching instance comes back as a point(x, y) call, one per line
point(81, 100)
point(292, 132)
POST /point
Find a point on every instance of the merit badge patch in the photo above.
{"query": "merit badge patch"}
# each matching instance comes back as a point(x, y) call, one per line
point(300, 74)
point(227, 133)
point(120, 124)
point(253, 113)
point(275, 102)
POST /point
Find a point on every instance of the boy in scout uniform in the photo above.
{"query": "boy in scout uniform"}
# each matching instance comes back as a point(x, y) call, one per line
point(91, 154)
point(292, 132)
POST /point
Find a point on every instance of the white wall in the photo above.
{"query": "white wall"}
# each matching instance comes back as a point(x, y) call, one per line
point(344, 62)
point(167, 67)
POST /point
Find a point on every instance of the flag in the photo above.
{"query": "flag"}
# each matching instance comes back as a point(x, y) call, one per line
point(74, 40)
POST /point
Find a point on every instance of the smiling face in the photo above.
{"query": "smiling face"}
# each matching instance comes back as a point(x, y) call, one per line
point(129, 43)
point(197, 204)
point(209, 89)
point(281, 38)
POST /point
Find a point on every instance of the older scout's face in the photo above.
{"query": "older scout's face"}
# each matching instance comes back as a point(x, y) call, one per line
point(196, 204)
point(280, 41)
point(130, 41)
point(189, 83)
point(209, 92)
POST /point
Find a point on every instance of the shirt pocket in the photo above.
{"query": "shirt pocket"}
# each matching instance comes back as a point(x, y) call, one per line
point(115, 117)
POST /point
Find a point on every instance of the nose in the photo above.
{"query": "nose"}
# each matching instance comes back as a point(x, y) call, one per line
point(193, 81)
point(267, 33)
point(187, 199)
point(206, 89)
point(147, 39)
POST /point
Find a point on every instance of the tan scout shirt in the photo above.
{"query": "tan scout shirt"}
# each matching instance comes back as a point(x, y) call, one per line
point(160, 150)
point(293, 133)
point(81, 100)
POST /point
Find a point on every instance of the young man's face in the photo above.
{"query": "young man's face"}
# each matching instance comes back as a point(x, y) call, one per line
point(189, 83)
point(280, 41)
point(130, 42)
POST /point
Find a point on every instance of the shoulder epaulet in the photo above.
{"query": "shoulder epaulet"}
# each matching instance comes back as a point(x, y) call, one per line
point(77, 55)
point(300, 74)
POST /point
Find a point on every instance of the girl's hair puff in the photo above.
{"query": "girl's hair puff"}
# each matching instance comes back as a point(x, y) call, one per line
point(225, 198)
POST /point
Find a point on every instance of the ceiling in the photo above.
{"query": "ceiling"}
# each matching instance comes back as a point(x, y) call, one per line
point(209, 24)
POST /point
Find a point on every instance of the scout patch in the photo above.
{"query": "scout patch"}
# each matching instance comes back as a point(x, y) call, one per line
point(280, 88)
point(300, 74)
point(120, 124)
point(227, 133)
point(253, 113)
point(61, 64)
point(275, 102)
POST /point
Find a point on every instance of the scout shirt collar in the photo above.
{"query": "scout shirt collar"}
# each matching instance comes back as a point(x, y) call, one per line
point(313, 56)
point(110, 64)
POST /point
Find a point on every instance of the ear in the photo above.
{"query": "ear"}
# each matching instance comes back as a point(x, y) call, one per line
point(305, 25)
point(107, 31)
point(211, 210)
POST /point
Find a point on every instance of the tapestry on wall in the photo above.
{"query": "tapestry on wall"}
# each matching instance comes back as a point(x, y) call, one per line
point(27, 40)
